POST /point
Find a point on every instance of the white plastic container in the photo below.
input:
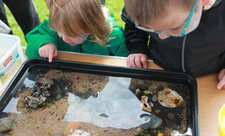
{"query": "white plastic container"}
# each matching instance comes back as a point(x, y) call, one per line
point(11, 58)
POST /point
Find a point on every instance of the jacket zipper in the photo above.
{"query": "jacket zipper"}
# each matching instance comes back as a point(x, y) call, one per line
point(182, 54)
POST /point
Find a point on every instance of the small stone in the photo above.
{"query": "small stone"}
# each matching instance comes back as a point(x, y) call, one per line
point(157, 111)
point(141, 82)
point(142, 87)
point(93, 82)
point(151, 104)
point(154, 133)
point(6, 124)
point(104, 115)
point(132, 87)
point(58, 96)
point(137, 91)
point(95, 95)
point(171, 115)
point(154, 98)
point(147, 92)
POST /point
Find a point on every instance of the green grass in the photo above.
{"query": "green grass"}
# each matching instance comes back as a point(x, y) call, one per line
point(115, 7)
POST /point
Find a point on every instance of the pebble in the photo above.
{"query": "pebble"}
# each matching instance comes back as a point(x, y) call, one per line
point(132, 87)
point(157, 111)
point(147, 92)
point(58, 96)
point(154, 98)
point(147, 81)
point(142, 87)
point(6, 124)
point(141, 82)
point(104, 115)
point(95, 95)
point(171, 115)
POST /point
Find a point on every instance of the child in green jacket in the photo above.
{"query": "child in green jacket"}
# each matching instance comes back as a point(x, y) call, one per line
point(77, 26)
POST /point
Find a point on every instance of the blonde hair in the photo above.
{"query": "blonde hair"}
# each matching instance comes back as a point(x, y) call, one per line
point(76, 17)
point(146, 11)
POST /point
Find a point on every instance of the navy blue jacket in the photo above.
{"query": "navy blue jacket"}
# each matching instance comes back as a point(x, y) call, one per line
point(198, 53)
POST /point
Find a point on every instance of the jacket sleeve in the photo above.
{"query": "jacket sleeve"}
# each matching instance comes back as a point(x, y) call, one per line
point(40, 35)
point(136, 40)
point(116, 44)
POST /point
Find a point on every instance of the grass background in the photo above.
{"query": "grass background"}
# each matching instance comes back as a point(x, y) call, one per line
point(115, 7)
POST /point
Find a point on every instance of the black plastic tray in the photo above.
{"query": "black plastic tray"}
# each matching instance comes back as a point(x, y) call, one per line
point(156, 75)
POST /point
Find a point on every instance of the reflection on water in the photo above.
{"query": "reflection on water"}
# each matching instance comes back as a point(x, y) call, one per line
point(28, 83)
point(120, 107)
point(12, 106)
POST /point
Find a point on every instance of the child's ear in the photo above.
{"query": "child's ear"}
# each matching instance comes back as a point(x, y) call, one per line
point(207, 2)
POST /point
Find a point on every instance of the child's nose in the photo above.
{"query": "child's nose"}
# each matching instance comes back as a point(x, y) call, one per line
point(65, 38)
point(163, 36)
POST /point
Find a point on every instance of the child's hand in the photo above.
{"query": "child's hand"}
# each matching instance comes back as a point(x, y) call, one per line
point(221, 77)
point(138, 60)
point(48, 51)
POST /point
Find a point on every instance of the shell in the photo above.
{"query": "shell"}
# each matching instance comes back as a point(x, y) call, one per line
point(39, 93)
point(80, 132)
point(169, 98)
point(145, 104)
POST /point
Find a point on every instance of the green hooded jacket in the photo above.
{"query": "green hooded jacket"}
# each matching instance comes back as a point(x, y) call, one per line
point(42, 34)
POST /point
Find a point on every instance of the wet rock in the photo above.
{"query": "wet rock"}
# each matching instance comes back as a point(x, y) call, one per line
point(40, 92)
point(132, 88)
point(142, 87)
point(154, 122)
point(34, 102)
point(56, 92)
point(5, 124)
point(46, 83)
